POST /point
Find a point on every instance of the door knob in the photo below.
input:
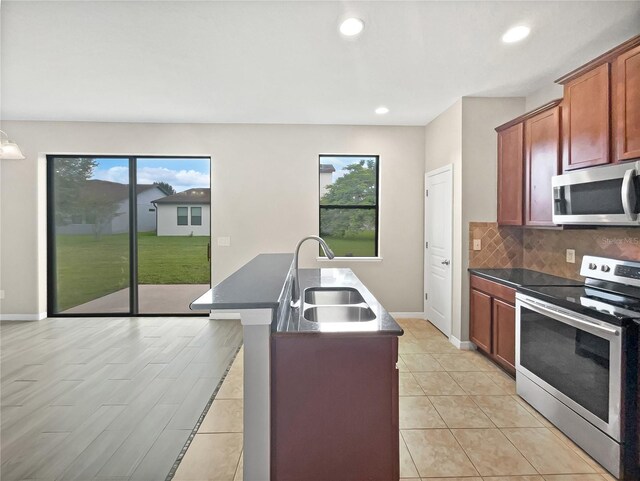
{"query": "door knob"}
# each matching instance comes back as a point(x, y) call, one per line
point(446, 262)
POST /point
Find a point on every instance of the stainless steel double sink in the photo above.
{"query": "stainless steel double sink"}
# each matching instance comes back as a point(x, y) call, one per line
point(335, 304)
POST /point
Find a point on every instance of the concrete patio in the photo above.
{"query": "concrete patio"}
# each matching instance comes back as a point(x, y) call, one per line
point(152, 299)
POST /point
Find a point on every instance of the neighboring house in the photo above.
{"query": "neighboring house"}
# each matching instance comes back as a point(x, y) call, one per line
point(326, 177)
point(185, 213)
point(102, 194)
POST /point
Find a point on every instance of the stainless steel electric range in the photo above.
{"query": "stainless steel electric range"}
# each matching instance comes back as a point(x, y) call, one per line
point(576, 359)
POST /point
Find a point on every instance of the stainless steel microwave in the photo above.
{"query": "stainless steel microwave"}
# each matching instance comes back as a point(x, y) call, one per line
point(608, 195)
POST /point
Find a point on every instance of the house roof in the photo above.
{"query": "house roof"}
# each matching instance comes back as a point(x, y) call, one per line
point(112, 191)
point(190, 196)
point(327, 168)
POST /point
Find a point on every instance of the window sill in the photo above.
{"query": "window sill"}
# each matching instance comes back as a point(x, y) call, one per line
point(348, 259)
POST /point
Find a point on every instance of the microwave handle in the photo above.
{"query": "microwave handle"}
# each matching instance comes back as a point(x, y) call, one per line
point(629, 194)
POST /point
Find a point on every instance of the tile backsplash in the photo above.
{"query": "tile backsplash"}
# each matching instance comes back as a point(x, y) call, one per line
point(545, 249)
point(501, 246)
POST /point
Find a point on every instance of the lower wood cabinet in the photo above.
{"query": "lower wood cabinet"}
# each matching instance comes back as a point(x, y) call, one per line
point(480, 327)
point(504, 333)
point(492, 321)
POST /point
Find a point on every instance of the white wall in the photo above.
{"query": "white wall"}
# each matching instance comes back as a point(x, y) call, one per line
point(443, 146)
point(464, 136)
point(146, 215)
point(326, 179)
point(480, 117)
point(168, 220)
point(264, 195)
point(542, 96)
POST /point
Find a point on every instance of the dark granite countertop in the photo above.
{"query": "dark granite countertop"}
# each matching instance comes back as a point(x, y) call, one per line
point(256, 285)
point(290, 322)
point(523, 277)
point(264, 283)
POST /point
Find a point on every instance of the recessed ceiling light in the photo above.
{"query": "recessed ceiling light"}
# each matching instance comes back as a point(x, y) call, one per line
point(351, 27)
point(516, 34)
point(382, 110)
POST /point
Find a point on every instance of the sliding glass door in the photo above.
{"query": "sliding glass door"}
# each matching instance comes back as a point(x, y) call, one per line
point(117, 242)
point(173, 233)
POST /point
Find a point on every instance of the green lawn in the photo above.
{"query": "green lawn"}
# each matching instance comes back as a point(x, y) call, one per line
point(90, 268)
point(363, 245)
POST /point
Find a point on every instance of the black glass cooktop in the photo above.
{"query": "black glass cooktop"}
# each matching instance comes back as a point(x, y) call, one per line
point(607, 306)
point(523, 277)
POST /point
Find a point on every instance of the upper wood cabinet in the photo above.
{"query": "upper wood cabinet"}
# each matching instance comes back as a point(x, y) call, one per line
point(542, 162)
point(510, 174)
point(586, 119)
point(528, 156)
point(626, 105)
point(601, 112)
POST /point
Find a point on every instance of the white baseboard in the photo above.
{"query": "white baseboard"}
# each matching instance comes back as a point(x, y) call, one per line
point(23, 317)
point(407, 315)
point(462, 345)
point(224, 315)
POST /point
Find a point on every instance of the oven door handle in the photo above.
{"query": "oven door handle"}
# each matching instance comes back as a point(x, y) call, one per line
point(629, 194)
point(573, 321)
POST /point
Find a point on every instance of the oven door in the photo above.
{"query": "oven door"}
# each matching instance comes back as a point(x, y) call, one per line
point(576, 359)
point(601, 195)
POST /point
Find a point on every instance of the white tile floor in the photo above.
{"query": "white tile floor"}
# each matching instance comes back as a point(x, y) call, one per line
point(460, 419)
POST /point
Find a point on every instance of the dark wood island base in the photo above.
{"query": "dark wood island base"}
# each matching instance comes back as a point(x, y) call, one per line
point(334, 407)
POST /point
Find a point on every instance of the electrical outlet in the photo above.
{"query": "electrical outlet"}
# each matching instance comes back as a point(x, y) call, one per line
point(477, 244)
point(224, 241)
point(571, 256)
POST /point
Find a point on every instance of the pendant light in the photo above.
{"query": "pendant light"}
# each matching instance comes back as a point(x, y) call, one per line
point(9, 150)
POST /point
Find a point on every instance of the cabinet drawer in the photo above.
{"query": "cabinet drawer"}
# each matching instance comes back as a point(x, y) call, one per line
point(494, 289)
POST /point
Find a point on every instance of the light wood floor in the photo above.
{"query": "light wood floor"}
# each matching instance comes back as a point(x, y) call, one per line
point(106, 398)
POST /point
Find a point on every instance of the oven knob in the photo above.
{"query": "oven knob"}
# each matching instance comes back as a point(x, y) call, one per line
point(592, 266)
point(605, 268)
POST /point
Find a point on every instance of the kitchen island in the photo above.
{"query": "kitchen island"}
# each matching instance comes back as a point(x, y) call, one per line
point(321, 393)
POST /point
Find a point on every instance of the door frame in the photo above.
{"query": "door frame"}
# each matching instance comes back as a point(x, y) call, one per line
point(133, 234)
point(447, 168)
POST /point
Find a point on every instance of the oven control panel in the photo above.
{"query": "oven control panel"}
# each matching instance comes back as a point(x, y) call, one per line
point(627, 271)
point(614, 270)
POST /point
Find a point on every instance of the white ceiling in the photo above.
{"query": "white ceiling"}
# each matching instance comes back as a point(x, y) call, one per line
point(284, 62)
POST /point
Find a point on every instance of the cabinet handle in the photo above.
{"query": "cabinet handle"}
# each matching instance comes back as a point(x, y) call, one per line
point(446, 262)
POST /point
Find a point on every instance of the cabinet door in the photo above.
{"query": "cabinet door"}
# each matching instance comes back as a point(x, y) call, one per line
point(626, 105)
point(510, 175)
point(542, 154)
point(504, 334)
point(585, 120)
point(480, 320)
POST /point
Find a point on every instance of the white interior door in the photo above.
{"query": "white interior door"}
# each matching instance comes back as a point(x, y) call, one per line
point(438, 246)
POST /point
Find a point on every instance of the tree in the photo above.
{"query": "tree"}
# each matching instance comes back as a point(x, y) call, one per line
point(98, 210)
point(70, 176)
point(356, 188)
point(165, 187)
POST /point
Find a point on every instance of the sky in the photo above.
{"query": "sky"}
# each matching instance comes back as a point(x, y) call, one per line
point(182, 174)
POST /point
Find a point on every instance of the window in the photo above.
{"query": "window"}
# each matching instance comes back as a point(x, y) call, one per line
point(183, 216)
point(348, 186)
point(196, 215)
